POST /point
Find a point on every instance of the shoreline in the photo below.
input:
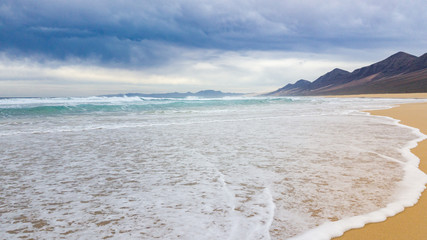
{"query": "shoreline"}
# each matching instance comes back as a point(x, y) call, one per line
point(383, 95)
point(410, 223)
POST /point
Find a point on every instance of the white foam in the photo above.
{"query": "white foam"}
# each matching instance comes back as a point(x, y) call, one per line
point(407, 195)
point(251, 171)
point(14, 102)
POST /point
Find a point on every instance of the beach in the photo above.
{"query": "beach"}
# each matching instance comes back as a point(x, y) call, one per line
point(411, 223)
point(385, 95)
point(241, 168)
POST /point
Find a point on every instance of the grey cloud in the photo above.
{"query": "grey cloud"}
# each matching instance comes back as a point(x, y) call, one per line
point(141, 33)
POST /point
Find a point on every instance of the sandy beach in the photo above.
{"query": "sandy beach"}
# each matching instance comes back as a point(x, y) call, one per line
point(412, 222)
point(389, 95)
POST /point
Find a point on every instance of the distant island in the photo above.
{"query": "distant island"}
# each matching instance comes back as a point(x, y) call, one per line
point(399, 73)
point(202, 94)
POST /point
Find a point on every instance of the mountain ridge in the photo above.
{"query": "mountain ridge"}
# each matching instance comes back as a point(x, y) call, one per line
point(399, 73)
point(203, 94)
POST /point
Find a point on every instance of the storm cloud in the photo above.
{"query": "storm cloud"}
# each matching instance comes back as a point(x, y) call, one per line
point(137, 31)
point(161, 34)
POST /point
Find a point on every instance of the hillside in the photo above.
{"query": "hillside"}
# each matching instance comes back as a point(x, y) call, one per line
point(201, 94)
point(399, 73)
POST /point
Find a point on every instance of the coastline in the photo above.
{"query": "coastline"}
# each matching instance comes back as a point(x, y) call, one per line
point(383, 95)
point(410, 223)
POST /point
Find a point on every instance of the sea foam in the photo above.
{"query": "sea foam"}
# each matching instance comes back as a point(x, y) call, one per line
point(407, 194)
point(240, 168)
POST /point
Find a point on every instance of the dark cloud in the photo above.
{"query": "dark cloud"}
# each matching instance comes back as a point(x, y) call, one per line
point(140, 33)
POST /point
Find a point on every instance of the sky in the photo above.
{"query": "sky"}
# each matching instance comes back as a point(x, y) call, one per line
point(86, 48)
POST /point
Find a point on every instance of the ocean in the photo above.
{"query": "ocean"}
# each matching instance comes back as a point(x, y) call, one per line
point(193, 168)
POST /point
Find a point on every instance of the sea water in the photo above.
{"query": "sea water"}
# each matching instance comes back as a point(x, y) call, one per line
point(232, 168)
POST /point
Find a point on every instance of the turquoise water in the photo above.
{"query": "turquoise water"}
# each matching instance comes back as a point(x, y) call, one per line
point(233, 168)
point(98, 105)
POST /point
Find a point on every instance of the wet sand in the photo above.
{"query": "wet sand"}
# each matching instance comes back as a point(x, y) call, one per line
point(412, 222)
point(389, 95)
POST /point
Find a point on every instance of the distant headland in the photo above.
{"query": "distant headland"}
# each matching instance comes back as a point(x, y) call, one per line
point(202, 94)
point(399, 73)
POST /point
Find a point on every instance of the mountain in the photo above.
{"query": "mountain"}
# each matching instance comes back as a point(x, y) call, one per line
point(399, 73)
point(202, 94)
point(332, 78)
point(300, 85)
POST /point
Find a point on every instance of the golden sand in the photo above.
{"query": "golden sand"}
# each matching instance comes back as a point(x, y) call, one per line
point(411, 224)
point(388, 95)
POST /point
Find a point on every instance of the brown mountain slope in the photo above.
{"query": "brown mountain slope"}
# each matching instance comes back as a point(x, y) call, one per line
point(399, 73)
point(412, 82)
